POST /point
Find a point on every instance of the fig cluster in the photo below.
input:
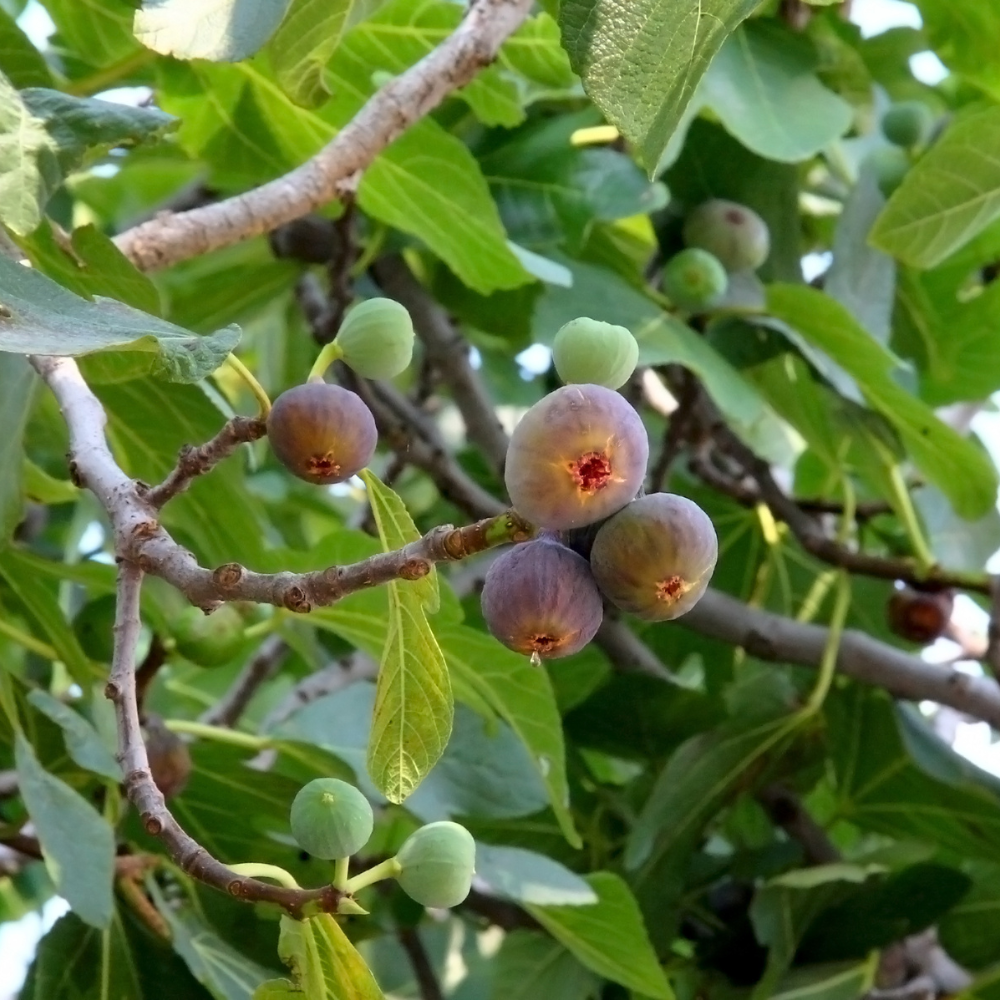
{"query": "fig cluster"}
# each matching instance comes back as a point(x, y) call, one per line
point(574, 468)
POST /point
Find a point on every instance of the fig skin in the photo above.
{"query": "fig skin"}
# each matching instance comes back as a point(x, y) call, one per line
point(437, 863)
point(732, 232)
point(655, 558)
point(591, 351)
point(208, 640)
point(577, 456)
point(540, 597)
point(920, 616)
point(169, 758)
point(376, 338)
point(694, 279)
point(322, 433)
point(891, 165)
point(94, 628)
point(908, 123)
point(331, 819)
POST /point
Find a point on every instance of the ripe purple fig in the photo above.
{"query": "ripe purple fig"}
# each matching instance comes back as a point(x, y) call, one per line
point(322, 433)
point(540, 599)
point(735, 234)
point(577, 456)
point(655, 557)
point(920, 615)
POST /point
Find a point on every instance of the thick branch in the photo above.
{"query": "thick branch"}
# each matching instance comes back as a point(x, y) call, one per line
point(334, 170)
point(449, 352)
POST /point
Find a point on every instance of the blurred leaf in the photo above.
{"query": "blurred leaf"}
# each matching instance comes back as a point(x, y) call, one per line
point(45, 134)
point(24, 65)
point(531, 965)
point(324, 963)
point(841, 981)
point(527, 877)
point(970, 930)
point(45, 318)
point(953, 463)
point(608, 936)
point(82, 741)
point(964, 33)
point(764, 88)
point(930, 216)
point(78, 843)
point(17, 388)
point(99, 30)
point(640, 64)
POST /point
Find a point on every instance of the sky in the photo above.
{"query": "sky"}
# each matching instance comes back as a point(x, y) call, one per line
point(18, 939)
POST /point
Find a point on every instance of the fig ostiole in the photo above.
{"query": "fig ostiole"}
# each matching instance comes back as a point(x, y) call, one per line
point(731, 232)
point(539, 598)
point(577, 456)
point(321, 432)
point(654, 558)
point(331, 819)
point(591, 351)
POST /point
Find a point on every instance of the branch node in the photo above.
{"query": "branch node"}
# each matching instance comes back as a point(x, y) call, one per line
point(414, 569)
point(228, 576)
point(295, 600)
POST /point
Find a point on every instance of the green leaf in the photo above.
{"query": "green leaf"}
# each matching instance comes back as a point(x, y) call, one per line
point(24, 65)
point(695, 781)
point(42, 317)
point(41, 604)
point(78, 843)
point(414, 707)
point(17, 389)
point(38, 484)
point(82, 741)
point(324, 963)
point(930, 216)
point(45, 134)
point(90, 264)
point(965, 34)
point(522, 696)
point(641, 62)
point(100, 30)
point(608, 936)
point(531, 965)
point(764, 88)
point(952, 463)
point(526, 877)
point(839, 981)
point(305, 41)
point(219, 30)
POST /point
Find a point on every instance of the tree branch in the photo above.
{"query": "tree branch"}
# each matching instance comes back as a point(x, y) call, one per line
point(427, 981)
point(335, 169)
point(262, 666)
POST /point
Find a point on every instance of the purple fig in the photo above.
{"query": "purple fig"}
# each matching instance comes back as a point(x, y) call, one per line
point(577, 456)
point(655, 557)
point(540, 599)
point(920, 615)
point(322, 433)
point(735, 234)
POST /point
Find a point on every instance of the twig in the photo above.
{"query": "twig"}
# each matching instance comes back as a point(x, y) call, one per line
point(449, 352)
point(427, 981)
point(195, 461)
point(628, 652)
point(787, 811)
point(262, 666)
point(677, 428)
point(155, 658)
point(993, 634)
point(335, 169)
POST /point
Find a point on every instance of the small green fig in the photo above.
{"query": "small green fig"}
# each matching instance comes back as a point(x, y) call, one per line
point(891, 165)
point(437, 864)
point(733, 233)
point(908, 123)
point(694, 279)
point(590, 351)
point(331, 819)
point(208, 640)
point(322, 433)
point(376, 338)
point(94, 628)
point(654, 558)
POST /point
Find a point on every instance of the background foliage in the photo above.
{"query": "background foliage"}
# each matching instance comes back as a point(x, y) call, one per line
point(700, 831)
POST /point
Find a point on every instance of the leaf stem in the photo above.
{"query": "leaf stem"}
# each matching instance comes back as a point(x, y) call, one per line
point(387, 869)
point(263, 400)
point(28, 641)
point(330, 353)
point(254, 869)
point(908, 514)
point(828, 664)
point(218, 733)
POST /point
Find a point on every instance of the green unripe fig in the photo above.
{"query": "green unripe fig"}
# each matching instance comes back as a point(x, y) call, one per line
point(733, 233)
point(208, 640)
point(376, 338)
point(94, 628)
point(908, 123)
point(891, 165)
point(331, 819)
point(590, 351)
point(437, 864)
point(694, 279)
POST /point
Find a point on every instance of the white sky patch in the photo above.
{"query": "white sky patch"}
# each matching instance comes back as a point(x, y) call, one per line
point(535, 360)
point(875, 16)
point(814, 264)
point(134, 97)
point(18, 941)
point(36, 24)
point(927, 68)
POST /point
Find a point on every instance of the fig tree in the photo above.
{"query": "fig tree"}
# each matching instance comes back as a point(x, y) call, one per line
point(331, 819)
point(437, 863)
point(733, 233)
point(694, 279)
point(591, 351)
